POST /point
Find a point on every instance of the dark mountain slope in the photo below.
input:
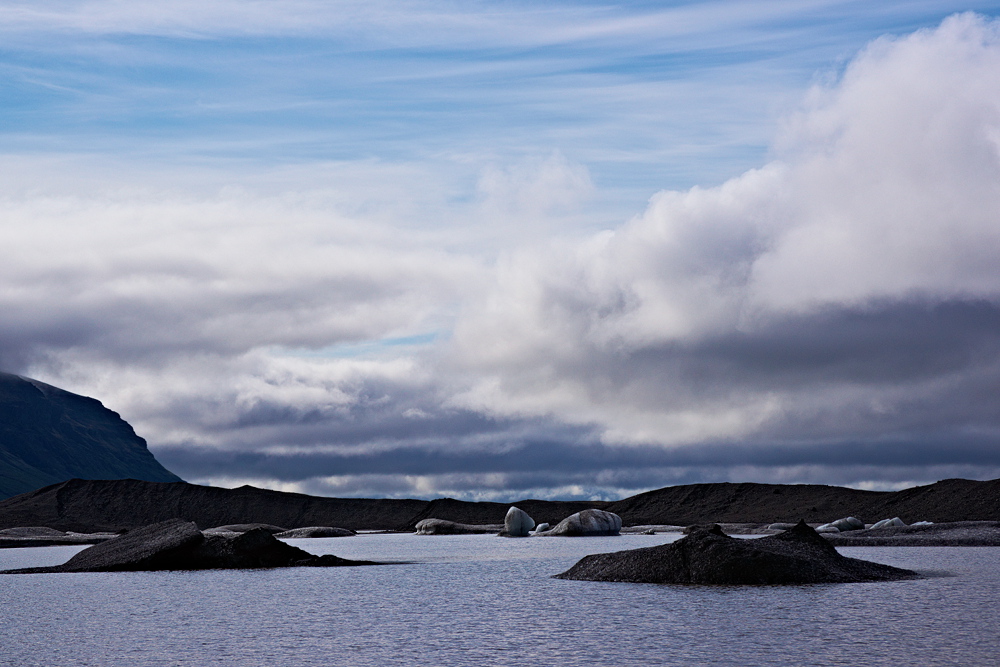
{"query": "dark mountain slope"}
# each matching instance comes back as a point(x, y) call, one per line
point(48, 435)
point(742, 503)
point(947, 500)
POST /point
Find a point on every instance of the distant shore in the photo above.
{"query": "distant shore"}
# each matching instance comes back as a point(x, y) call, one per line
point(110, 506)
point(948, 534)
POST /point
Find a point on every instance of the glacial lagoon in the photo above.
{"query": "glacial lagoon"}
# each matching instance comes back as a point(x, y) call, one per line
point(484, 600)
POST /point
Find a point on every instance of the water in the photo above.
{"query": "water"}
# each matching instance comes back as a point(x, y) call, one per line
point(483, 600)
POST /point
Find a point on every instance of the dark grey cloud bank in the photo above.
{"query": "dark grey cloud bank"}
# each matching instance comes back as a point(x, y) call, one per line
point(935, 368)
point(832, 317)
point(921, 380)
point(545, 463)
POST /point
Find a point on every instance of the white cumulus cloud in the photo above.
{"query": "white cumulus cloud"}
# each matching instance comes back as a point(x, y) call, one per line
point(886, 192)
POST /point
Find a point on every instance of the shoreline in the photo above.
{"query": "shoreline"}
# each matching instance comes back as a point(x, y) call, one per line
point(945, 534)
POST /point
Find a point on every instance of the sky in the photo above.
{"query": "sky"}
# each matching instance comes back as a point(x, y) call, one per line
point(502, 250)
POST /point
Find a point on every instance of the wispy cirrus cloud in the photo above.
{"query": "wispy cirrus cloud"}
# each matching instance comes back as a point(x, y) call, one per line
point(424, 22)
point(648, 96)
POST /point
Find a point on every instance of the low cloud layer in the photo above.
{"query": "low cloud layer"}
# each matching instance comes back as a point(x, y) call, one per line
point(833, 316)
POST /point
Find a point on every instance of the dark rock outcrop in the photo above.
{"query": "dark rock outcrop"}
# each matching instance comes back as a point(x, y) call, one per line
point(796, 556)
point(442, 527)
point(48, 435)
point(179, 545)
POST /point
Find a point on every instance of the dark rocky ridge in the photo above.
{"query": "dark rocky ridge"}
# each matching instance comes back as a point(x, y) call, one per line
point(709, 556)
point(48, 435)
point(179, 545)
point(947, 500)
point(98, 506)
point(95, 506)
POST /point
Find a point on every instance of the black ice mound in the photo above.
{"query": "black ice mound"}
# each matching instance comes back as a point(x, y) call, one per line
point(709, 556)
point(179, 545)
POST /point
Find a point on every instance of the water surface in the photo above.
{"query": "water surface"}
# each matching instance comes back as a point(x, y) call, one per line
point(483, 600)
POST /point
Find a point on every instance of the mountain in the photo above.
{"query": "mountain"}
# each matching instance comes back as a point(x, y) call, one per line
point(48, 435)
point(92, 506)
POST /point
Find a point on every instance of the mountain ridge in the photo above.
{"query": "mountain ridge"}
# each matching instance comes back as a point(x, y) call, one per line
point(102, 505)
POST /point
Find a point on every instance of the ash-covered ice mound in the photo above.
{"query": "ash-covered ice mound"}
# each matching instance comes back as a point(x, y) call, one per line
point(586, 523)
point(179, 545)
point(517, 523)
point(316, 531)
point(709, 556)
point(443, 527)
point(923, 534)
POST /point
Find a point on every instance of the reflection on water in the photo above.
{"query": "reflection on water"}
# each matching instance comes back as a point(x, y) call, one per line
point(483, 600)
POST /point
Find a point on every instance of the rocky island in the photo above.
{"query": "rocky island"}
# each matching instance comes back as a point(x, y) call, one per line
point(709, 556)
point(179, 545)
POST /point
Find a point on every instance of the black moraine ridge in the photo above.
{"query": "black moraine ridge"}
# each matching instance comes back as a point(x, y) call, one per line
point(99, 506)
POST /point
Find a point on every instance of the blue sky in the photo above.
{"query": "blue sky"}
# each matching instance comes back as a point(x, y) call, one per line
point(491, 250)
point(646, 95)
